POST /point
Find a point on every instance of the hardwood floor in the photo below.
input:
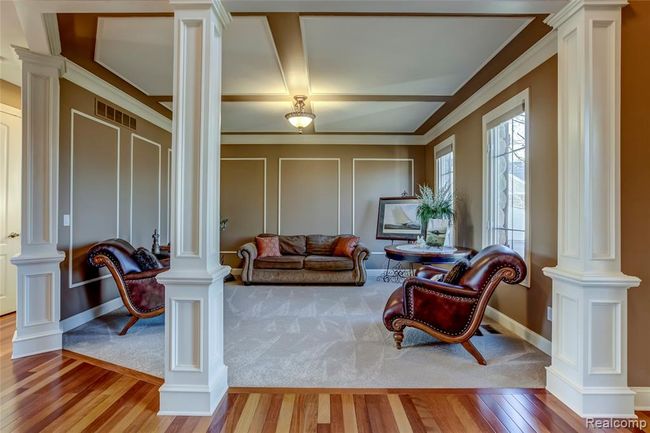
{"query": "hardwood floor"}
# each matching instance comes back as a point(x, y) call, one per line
point(66, 392)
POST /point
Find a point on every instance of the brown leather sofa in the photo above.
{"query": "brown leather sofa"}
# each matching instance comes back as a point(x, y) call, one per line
point(305, 260)
point(452, 312)
point(142, 294)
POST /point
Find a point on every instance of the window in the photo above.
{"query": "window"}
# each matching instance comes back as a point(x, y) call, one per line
point(505, 195)
point(444, 169)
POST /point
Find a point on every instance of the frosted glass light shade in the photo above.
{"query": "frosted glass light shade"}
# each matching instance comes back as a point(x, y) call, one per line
point(300, 120)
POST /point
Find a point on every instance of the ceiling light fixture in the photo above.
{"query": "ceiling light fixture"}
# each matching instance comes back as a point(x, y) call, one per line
point(299, 118)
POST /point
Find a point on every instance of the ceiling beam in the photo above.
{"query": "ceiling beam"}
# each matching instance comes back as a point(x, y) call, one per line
point(287, 36)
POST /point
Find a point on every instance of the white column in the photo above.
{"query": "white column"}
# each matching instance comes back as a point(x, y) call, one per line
point(195, 376)
point(589, 358)
point(38, 306)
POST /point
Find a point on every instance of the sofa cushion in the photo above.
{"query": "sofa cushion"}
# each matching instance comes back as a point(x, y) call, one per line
point(328, 263)
point(146, 259)
point(457, 271)
point(268, 246)
point(345, 245)
point(279, 262)
point(293, 245)
point(320, 245)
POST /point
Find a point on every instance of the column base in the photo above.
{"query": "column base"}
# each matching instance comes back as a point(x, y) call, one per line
point(591, 402)
point(35, 344)
point(193, 400)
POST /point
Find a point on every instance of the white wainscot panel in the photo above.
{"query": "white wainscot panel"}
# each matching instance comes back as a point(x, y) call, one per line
point(605, 337)
point(38, 299)
point(186, 346)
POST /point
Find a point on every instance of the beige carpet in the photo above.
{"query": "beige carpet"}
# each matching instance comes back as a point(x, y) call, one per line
point(293, 336)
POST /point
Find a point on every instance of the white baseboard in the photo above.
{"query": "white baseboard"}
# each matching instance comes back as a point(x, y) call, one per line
point(520, 330)
point(88, 315)
point(642, 398)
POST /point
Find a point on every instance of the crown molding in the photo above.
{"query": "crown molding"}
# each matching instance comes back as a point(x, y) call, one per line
point(83, 78)
point(543, 50)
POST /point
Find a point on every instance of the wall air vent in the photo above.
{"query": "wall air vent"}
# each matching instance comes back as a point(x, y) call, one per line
point(114, 115)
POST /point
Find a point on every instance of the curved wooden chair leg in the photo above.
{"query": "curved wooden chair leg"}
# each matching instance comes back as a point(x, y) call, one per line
point(398, 336)
point(130, 323)
point(474, 352)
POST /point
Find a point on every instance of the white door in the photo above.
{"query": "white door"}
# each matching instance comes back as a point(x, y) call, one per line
point(10, 159)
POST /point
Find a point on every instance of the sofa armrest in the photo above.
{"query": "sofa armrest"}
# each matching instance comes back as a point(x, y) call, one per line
point(248, 252)
point(361, 252)
point(144, 274)
point(439, 287)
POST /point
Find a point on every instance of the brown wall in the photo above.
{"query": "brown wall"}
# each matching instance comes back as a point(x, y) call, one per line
point(101, 181)
point(10, 94)
point(525, 305)
point(635, 178)
point(309, 190)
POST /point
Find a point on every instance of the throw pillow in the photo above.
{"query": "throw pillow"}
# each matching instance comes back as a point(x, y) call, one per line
point(268, 246)
point(345, 245)
point(146, 259)
point(457, 271)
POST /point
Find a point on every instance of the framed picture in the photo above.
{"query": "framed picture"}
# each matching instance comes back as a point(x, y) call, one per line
point(397, 218)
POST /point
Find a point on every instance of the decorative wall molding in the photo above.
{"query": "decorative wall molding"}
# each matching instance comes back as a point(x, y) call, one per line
point(74, 112)
point(543, 50)
point(265, 191)
point(90, 314)
point(159, 146)
point(83, 78)
point(338, 161)
point(519, 330)
point(354, 163)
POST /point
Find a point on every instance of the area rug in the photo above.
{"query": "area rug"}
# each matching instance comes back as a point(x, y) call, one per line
point(296, 336)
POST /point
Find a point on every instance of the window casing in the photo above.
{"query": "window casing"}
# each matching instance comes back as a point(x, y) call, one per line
point(443, 154)
point(506, 215)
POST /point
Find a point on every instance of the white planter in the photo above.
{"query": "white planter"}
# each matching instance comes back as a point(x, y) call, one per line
point(436, 232)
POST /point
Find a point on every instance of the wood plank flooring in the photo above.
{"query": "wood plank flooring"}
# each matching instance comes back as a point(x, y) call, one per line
point(66, 392)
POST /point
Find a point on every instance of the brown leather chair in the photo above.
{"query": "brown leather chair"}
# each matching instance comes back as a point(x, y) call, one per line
point(452, 313)
point(142, 294)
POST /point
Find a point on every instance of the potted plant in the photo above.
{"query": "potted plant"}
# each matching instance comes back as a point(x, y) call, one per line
point(435, 211)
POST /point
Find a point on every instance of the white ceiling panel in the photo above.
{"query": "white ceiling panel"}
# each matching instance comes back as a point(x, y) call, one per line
point(251, 63)
point(345, 116)
point(401, 55)
point(255, 117)
point(138, 50)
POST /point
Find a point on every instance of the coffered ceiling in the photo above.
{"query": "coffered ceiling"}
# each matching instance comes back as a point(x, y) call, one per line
point(363, 73)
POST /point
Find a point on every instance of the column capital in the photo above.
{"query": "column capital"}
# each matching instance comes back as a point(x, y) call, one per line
point(216, 5)
point(28, 56)
point(560, 17)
